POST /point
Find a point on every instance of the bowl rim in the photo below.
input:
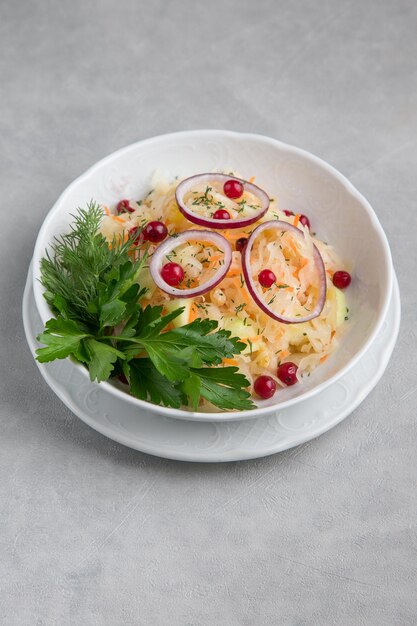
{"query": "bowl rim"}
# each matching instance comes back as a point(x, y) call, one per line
point(45, 312)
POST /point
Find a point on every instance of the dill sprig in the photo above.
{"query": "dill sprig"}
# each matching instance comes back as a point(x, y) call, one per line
point(78, 263)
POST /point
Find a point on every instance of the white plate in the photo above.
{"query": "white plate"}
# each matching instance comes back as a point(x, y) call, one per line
point(215, 441)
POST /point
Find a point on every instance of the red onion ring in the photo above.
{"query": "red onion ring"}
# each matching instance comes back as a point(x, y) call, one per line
point(318, 261)
point(173, 242)
point(186, 185)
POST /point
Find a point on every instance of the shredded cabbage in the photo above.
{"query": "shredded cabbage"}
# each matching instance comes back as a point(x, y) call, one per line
point(269, 342)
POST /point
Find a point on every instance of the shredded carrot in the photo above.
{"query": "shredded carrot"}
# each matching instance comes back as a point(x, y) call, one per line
point(118, 219)
point(332, 334)
point(296, 219)
point(215, 257)
point(241, 289)
point(213, 260)
point(191, 283)
point(193, 314)
point(234, 235)
point(106, 210)
point(230, 361)
point(323, 358)
point(304, 262)
point(279, 334)
point(251, 179)
point(293, 247)
point(233, 272)
point(252, 339)
point(283, 354)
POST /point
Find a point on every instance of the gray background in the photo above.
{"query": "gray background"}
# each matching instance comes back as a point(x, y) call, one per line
point(93, 533)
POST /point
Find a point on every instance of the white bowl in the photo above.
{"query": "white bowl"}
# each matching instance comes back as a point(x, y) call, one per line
point(299, 181)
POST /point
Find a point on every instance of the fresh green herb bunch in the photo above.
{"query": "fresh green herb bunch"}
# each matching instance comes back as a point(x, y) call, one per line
point(81, 265)
point(93, 288)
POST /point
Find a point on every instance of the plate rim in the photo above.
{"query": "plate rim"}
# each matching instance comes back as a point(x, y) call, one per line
point(219, 456)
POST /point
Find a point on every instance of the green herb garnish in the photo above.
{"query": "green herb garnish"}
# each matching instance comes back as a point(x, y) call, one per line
point(204, 200)
point(93, 289)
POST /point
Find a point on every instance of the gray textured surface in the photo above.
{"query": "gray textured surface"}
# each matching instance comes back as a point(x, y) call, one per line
point(93, 533)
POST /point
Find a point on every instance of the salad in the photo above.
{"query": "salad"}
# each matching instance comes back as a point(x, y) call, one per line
point(204, 293)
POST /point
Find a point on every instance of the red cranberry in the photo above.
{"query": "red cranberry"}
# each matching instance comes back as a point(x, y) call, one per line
point(287, 373)
point(155, 232)
point(241, 243)
point(123, 379)
point(341, 279)
point(265, 387)
point(172, 273)
point(288, 213)
point(266, 278)
point(136, 231)
point(221, 214)
point(233, 189)
point(124, 207)
point(304, 221)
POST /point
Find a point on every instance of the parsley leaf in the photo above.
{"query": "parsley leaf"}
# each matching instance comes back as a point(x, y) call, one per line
point(62, 338)
point(191, 386)
point(102, 358)
point(212, 347)
point(112, 313)
point(167, 362)
point(147, 383)
point(223, 387)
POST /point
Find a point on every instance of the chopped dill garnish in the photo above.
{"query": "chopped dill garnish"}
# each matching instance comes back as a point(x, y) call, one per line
point(250, 346)
point(205, 200)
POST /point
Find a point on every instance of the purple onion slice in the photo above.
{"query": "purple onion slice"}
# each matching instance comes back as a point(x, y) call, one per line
point(157, 261)
point(187, 186)
point(246, 267)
